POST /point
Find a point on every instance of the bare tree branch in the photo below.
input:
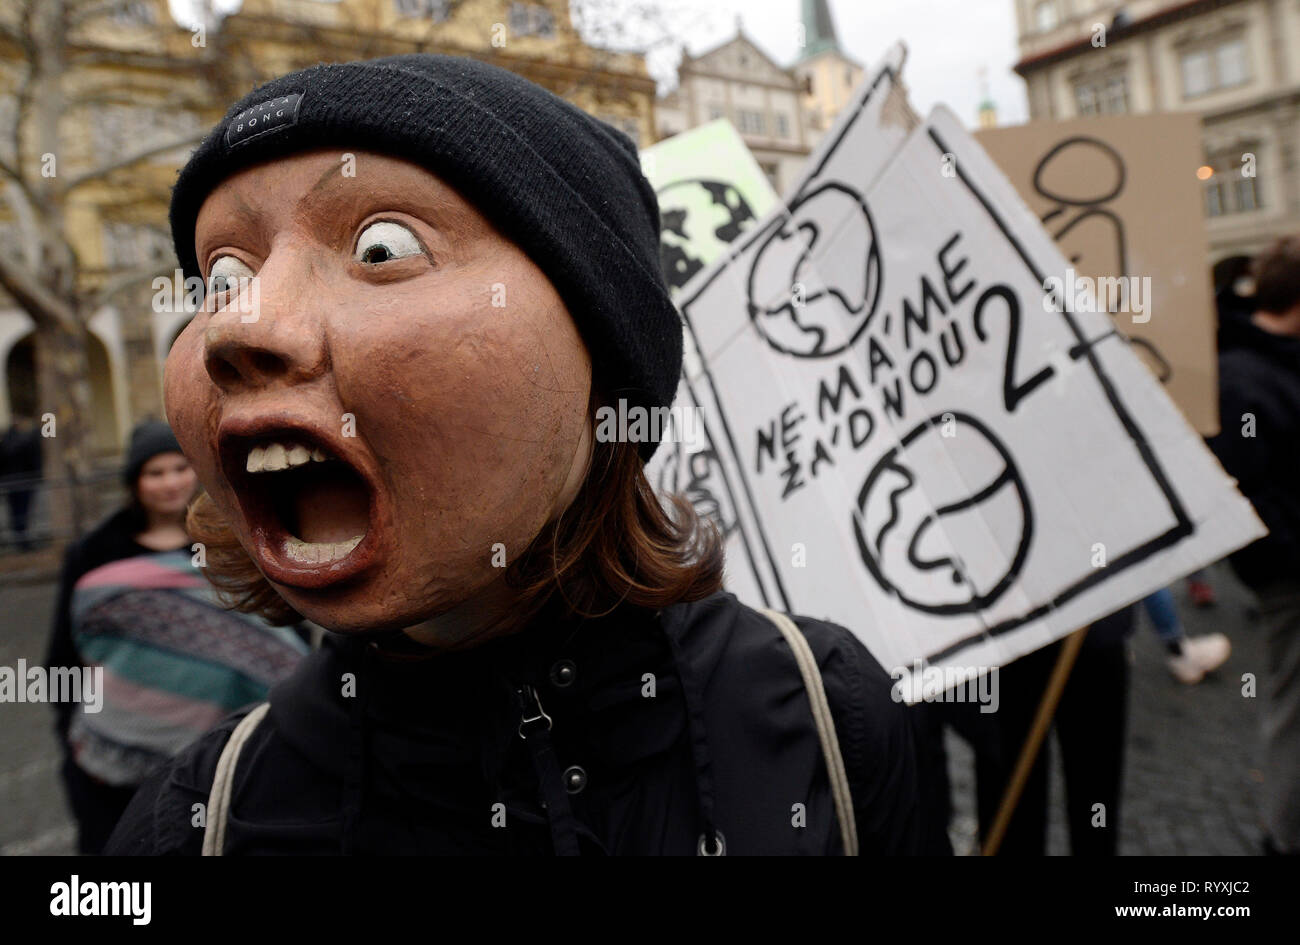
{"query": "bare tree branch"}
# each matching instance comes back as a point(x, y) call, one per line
point(102, 172)
point(89, 56)
point(123, 281)
point(39, 302)
point(12, 173)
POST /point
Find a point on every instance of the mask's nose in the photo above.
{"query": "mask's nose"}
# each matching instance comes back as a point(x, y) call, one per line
point(270, 333)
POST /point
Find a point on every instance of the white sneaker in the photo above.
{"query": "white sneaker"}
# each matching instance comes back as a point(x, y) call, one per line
point(1185, 669)
point(1200, 655)
point(1210, 651)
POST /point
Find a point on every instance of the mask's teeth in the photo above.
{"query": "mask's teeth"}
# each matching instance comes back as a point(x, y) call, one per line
point(319, 552)
point(274, 457)
point(277, 458)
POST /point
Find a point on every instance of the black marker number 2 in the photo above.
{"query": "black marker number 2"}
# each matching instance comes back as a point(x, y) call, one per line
point(1012, 393)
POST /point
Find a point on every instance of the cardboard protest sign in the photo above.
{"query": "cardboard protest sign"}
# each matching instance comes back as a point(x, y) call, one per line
point(924, 444)
point(710, 191)
point(1121, 197)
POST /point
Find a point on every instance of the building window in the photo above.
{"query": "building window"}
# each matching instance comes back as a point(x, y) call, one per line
point(752, 122)
point(1227, 189)
point(531, 19)
point(770, 172)
point(437, 10)
point(135, 13)
point(1045, 15)
point(1197, 76)
point(1107, 96)
point(1210, 68)
point(782, 126)
point(1230, 58)
point(129, 244)
point(716, 112)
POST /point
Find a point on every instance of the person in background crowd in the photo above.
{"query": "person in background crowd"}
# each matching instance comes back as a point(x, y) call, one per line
point(20, 468)
point(131, 601)
point(1190, 658)
point(1091, 723)
point(1234, 301)
point(1259, 444)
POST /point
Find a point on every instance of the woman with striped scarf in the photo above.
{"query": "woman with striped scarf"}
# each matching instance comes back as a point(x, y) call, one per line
point(134, 604)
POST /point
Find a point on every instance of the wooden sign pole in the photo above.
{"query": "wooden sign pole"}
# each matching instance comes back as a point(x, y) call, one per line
point(1034, 741)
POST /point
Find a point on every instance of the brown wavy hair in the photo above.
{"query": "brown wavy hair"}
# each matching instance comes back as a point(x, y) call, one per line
point(617, 542)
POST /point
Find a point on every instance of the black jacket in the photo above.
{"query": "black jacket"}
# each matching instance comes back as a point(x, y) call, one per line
point(663, 723)
point(20, 455)
point(1259, 375)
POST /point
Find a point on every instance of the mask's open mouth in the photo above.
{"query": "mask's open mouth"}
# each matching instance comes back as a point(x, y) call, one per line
point(310, 513)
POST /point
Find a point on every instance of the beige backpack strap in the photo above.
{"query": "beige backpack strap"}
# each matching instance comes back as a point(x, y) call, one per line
point(223, 781)
point(821, 709)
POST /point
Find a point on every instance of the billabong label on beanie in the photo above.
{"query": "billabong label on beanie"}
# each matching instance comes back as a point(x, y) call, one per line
point(263, 118)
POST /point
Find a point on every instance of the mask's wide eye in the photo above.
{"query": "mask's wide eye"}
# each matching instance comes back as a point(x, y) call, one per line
point(385, 240)
point(226, 274)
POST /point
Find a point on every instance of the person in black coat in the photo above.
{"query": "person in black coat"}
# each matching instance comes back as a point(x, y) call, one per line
point(429, 281)
point(1259, 444)
point(20, 469)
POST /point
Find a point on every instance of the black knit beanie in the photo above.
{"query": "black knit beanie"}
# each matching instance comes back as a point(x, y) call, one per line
point(148, 439)
point(563, 186)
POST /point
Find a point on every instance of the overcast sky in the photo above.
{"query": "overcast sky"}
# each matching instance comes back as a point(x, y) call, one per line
point(949, 42)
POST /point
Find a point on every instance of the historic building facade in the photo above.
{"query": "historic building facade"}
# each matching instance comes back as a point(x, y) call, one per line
point(779, 111)
point(829, 75)
point(1234, 62)
point(764, 101)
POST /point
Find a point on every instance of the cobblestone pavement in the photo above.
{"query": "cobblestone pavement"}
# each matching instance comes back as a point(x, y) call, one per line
point(1192, 762)
point(1193, 754)
point(35, 818)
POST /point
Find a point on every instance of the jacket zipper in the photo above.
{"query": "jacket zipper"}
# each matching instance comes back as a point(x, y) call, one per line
point(532, 711)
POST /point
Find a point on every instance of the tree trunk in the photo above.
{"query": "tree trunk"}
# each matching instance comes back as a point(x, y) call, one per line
point(64, 416)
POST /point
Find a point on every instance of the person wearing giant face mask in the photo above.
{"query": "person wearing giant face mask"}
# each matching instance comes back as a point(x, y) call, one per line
point(426, 277)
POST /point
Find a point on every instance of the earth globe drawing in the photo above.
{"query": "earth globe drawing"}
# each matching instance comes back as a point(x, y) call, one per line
point(698, 218)
point(815, 280)
point(943, 520)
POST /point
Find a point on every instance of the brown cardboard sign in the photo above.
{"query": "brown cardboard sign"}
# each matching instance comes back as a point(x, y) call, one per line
point(1121, 198)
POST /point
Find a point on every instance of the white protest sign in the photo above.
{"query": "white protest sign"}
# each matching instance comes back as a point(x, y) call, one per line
point(710, 192)
point(925, 445)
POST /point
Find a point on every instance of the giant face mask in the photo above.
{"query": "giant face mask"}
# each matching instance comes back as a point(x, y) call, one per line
point(395, 407)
